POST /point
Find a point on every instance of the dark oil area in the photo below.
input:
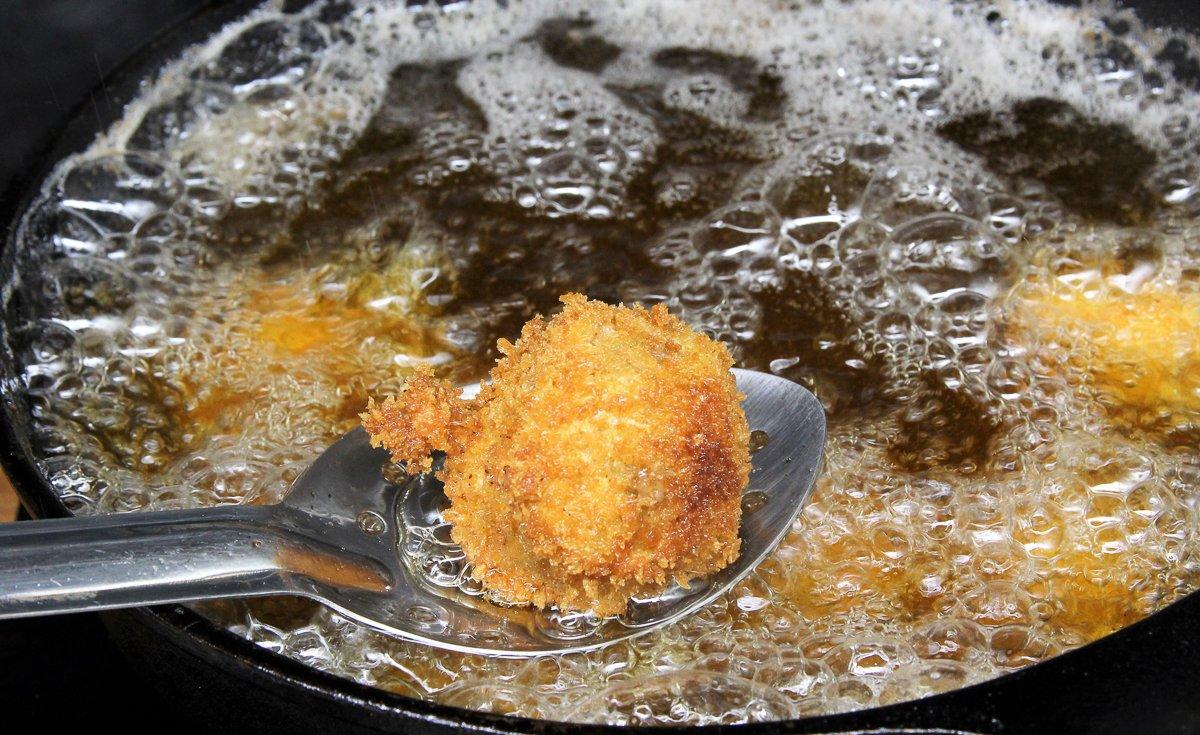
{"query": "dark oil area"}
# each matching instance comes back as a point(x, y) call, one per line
point(1097, 170)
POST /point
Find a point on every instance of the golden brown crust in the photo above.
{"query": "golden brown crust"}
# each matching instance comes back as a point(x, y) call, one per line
point(606, 458)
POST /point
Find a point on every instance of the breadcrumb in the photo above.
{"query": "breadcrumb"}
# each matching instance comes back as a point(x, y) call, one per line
point(606, 458)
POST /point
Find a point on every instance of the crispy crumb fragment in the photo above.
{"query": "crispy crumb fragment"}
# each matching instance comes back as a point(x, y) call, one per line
point(427, 416)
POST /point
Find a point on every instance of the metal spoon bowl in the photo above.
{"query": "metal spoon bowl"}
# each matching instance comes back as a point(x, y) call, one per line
point(345, 536)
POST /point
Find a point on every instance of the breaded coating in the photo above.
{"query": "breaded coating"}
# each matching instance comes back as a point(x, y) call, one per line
point(606, 458)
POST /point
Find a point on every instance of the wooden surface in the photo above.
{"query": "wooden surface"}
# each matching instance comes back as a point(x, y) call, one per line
point(8, 500)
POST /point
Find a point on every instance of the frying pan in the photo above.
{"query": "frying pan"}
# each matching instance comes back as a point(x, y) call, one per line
point(1140, 679)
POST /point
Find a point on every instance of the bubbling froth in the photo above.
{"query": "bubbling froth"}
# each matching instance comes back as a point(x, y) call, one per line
point(931, 213)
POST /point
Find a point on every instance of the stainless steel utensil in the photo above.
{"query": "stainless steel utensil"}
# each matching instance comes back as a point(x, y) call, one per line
point(339, 535)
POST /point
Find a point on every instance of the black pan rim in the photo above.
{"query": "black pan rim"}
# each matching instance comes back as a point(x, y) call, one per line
point(198, 632)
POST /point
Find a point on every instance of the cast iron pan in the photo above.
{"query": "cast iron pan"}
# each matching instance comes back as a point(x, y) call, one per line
point(1142, 679)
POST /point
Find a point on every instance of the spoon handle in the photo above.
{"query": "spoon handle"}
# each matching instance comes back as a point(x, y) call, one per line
point(133, 559)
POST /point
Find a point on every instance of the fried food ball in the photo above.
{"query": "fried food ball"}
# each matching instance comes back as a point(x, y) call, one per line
point(606, 458)
point(1143, 349)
